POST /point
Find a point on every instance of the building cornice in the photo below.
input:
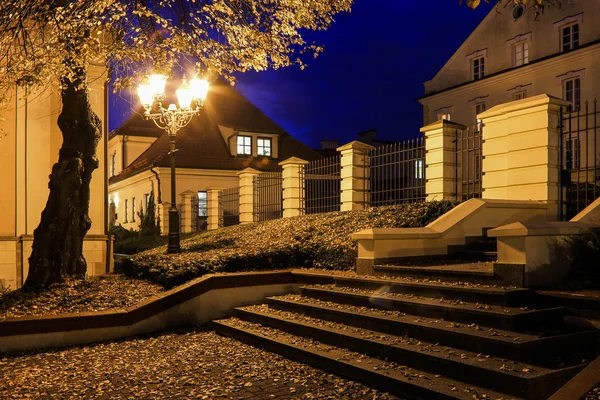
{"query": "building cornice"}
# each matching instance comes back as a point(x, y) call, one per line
point(511, 73)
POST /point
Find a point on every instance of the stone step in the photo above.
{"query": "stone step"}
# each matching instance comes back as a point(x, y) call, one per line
point(497, 342)
point(475, 255)
point(502, 317)
point(448, 272)
point(399, 380)
point(519, 379)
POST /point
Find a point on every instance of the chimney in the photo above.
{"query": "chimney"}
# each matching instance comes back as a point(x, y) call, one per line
point(329, 144)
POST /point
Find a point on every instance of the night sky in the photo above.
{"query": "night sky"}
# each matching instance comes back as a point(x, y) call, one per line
point(373, 68)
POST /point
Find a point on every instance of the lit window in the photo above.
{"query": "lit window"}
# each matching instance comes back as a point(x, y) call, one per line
point(264, 147)
point(478, 68)
point(521, 54)
point(443, 116)
point(202, 204)
point(133, 209)
point(572, 92)
point(244, 145)
point(570, 37)
point(419, 171)
point(113, 163)
point(126, 210)
point(520, 95)
point(573, 153)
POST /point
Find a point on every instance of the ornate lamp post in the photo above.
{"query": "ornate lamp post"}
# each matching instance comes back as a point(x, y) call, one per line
point(190, 96)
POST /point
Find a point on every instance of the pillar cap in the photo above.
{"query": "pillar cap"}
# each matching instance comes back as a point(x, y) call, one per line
point(187, 193)
point(248, 171)
point(293, 160)
point(524, 104)
point(355, 145)
point(442, 123)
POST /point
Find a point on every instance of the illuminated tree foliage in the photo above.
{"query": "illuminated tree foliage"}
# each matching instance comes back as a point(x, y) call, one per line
point(53, 43)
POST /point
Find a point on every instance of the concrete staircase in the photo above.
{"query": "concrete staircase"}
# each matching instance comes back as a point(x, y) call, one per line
point(422, 339)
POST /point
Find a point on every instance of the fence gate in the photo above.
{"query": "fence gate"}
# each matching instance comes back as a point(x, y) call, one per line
point(322, 185)
point(578, 154)
point(469, 158)
point(268, 196)
point(397, 173)
point(229, 207)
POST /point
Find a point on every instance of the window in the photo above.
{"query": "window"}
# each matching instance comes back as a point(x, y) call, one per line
point(203, 204)
point(573, 153)
point(569, 37)
point(264, 147)
point(479, 108)
point(520, 96)
point(572, 92)
point(113, 162)
point(133, 209)
point(146, 200)
point(244, 145)
point(441, 116)
point(478, 68)
point(520, 54)
point(126, 210)
point(419, 171)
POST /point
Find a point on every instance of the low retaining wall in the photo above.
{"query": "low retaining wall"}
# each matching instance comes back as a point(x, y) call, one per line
point(194, 303)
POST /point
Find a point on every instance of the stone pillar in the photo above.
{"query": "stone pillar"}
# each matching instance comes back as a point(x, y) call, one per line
point(163, 214)
point(189, 211)
point(440, 160)
point(213, 209)
point(355, 177)
point(293, 187)
point(521, 145)
point(247, 194)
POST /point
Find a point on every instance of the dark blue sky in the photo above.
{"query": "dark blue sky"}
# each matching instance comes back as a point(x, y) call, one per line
point(375, 62)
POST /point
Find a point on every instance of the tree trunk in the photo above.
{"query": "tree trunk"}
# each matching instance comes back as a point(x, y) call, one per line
point(57, 253)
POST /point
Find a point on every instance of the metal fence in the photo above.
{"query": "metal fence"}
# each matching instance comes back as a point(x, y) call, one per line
point(321, 180)
point(579, 160)
point(268, 196)
point(397, 173)
point(469, 159)
point(229, 207)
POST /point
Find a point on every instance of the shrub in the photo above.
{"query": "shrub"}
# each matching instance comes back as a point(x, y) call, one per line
point(582, 253)
point(319, 240)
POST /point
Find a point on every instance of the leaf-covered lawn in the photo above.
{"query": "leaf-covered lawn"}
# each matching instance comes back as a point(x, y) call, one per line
point(314, 241)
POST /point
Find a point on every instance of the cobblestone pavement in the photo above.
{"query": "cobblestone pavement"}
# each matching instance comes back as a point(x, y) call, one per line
point(196, 364)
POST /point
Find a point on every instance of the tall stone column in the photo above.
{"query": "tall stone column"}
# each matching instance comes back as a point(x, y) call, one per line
point(189, 211)
point(163, 213)
point(293, 186)
point(212, 220)
point(521, 150)
point(440, 160)
point(247, 194)
point(355, 176)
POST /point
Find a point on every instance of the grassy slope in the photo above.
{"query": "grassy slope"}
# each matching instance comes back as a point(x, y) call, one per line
point(319, 240)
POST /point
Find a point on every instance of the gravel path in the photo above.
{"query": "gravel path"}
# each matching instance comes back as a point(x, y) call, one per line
point(196, 364)
point(93, 294)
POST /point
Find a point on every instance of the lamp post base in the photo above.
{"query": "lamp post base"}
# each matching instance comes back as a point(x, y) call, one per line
point(174, 246)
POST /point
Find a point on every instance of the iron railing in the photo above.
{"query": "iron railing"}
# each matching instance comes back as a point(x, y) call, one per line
point(229, 207)
point(397, 173)
point(579, 161)
point(321, 180)
point(469, 159)
point(268, 196)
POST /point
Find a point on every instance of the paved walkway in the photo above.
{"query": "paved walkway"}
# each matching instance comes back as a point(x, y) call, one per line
point(178, 365)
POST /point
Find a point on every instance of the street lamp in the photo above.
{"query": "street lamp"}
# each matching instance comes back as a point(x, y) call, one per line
point(190, 97)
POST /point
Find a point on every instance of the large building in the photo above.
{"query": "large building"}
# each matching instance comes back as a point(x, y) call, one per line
point(514, 54)
point(28, 150)
point(229, 135)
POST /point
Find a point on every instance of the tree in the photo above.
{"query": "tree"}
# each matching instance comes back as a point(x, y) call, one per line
point(53, 43)
point(149, 224)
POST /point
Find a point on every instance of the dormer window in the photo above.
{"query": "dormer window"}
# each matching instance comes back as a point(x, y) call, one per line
point(244, 145)
point(264, 147)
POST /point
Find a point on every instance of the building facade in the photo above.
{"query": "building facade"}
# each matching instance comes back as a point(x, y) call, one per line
point(515, 54)
point(229, 135)
point(28, 149)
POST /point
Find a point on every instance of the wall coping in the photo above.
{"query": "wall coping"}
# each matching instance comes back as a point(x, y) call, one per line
point(155, 304)
point(355, 145)
point(294, 161)
point(442, 123)
point(248, 171)
point(540, 228)
point(527, 103)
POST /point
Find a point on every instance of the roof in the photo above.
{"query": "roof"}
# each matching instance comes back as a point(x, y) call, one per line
point(200, 144)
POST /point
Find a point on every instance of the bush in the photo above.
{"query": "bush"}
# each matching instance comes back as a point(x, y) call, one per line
point(582, 253)
point(319, 240)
